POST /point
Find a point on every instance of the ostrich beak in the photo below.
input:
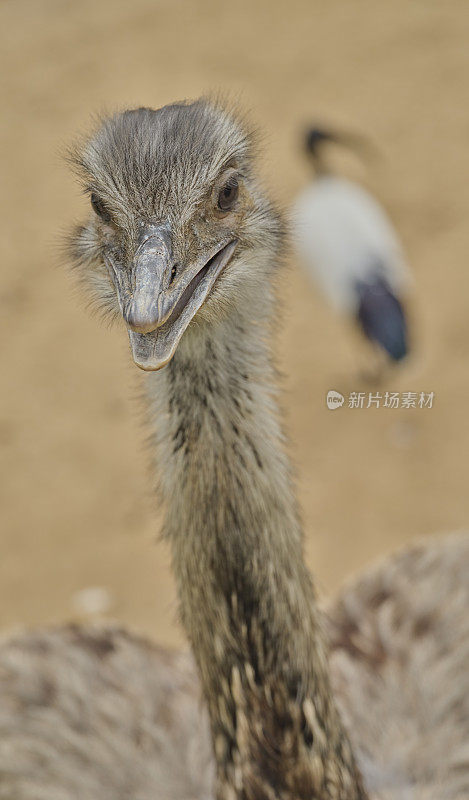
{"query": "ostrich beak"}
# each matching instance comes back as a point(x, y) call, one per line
point(156, 309)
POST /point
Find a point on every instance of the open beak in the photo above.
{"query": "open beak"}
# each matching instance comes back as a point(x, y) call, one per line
point(155, 308)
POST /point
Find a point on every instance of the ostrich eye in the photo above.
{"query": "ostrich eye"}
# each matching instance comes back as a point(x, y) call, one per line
point(228, 195)
point(99, 208)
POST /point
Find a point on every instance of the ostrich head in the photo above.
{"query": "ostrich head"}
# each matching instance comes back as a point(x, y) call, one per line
point(179, 234)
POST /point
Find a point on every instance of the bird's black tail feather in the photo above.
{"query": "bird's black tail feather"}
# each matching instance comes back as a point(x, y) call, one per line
point(382, 319)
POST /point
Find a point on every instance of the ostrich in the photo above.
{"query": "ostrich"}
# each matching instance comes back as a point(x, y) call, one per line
point(183, 246)
point(349, 247)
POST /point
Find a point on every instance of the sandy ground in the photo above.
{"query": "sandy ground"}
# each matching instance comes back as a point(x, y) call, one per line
point(75, 493)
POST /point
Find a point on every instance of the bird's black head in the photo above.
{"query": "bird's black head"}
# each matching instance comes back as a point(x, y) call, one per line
point(315, 138)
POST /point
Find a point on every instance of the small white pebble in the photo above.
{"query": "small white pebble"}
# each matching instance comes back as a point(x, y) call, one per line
point(403, 435)
point(92, 601)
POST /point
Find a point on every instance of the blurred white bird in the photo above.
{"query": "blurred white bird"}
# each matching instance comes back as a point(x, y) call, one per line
point(350, 248)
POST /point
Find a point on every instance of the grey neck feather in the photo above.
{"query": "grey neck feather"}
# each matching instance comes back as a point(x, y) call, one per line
point(246, 598)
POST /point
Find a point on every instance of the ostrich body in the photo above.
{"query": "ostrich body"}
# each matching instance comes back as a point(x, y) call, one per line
point(184, 247)
point(90, 712)
point(350, 249)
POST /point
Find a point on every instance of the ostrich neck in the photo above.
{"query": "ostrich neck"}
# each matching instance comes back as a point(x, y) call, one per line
point(246, 598)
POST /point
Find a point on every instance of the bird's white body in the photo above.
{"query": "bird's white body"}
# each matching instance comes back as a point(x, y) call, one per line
point(344, 237)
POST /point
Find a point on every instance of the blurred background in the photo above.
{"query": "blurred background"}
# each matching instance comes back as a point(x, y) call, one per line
point(77, 509)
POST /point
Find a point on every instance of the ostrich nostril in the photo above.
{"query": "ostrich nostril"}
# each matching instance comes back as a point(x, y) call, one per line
point(173, 273)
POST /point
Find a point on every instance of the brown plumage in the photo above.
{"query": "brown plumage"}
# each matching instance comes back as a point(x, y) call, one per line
point(184, 246)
